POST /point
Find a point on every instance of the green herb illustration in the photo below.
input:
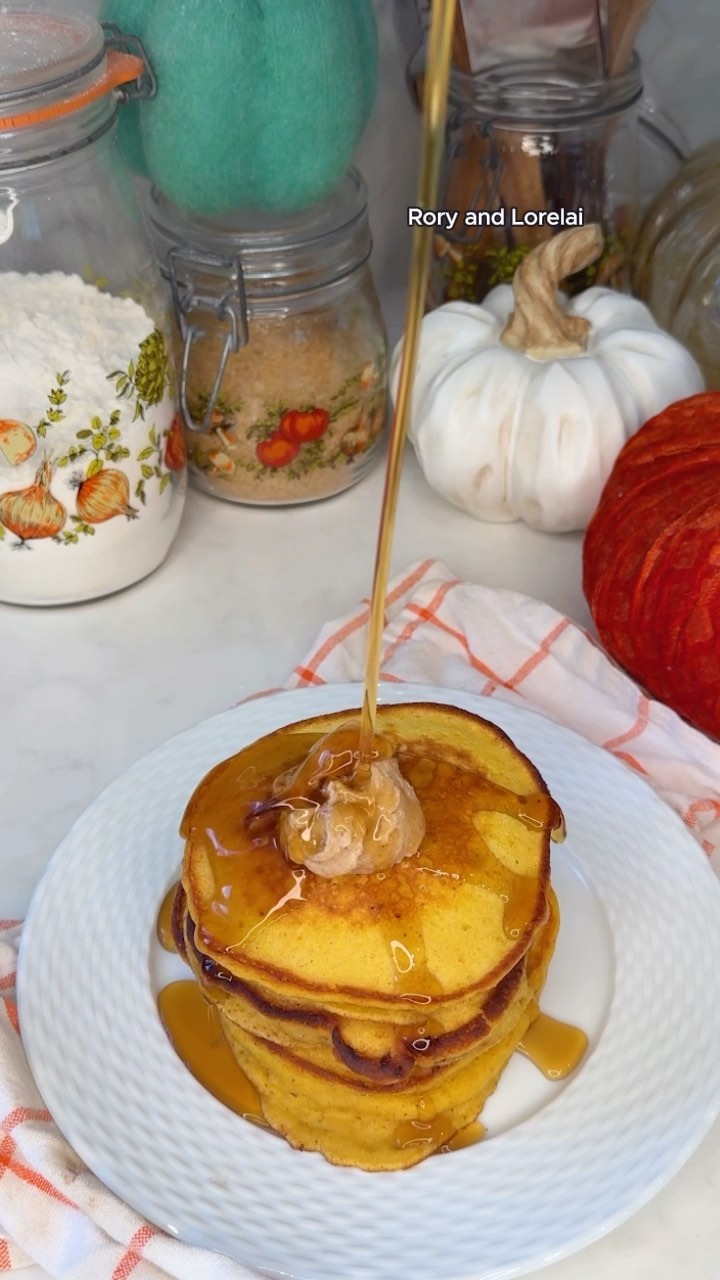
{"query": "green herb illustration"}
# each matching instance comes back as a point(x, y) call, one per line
point(151, 458)
point(100, 441)
point(222, 414)
point(80, 529)
point(146, 378)
point(56, 400)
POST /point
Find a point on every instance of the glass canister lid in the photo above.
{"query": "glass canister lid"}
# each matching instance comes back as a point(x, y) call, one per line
point(52, 65)
point(278, 255)
point(41, 50)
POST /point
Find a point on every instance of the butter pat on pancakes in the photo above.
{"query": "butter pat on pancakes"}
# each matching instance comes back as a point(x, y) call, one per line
point(358, 827)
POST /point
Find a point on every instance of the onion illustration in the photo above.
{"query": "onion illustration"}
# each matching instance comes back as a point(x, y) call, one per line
point(33, 512)
point(103, 496)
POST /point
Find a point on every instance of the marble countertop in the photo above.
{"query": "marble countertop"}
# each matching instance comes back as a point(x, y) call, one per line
point(86, 690)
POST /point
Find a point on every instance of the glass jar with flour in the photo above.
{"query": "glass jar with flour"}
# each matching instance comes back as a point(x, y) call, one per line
point(92, 462)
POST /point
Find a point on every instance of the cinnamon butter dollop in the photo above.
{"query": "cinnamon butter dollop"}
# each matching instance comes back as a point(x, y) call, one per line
point(360, 825)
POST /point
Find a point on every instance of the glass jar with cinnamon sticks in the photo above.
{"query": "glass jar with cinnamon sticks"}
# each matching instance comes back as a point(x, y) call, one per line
point(532, 147)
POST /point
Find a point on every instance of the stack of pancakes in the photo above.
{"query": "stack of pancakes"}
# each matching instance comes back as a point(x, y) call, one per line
point(375, 1013)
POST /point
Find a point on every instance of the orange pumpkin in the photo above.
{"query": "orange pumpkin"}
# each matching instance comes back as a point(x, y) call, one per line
point(651, 560)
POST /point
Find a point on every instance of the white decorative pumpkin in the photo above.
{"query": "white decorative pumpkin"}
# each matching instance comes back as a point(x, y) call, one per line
point(521, 406)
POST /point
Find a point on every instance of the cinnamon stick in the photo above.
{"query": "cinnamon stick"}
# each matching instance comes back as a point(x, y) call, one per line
point(520, 180)
point(626, 19)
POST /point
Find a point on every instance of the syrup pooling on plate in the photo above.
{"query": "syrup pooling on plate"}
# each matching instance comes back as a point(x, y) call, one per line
point(194, 1030)
point(255, 883)
point(555, 1048)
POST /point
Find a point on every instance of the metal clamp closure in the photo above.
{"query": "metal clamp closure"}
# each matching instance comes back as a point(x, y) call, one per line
point(146, 84)
point(231, 309)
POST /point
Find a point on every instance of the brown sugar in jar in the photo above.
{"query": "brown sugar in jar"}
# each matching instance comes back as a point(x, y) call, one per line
point(281, 339)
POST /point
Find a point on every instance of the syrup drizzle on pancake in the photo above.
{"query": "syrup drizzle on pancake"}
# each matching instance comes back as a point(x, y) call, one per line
point(194, 1030)
point(467, 1137)
point(255, 884)
point(163, 927)
point(432, 1131)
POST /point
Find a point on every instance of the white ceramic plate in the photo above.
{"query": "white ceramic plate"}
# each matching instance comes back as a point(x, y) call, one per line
point(636, 966)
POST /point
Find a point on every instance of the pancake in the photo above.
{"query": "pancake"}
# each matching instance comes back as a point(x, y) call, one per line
point(373, 1012)
point(464, 910)
point(377, 1050)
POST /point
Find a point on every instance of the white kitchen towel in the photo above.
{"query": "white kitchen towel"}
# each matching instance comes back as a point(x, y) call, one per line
point(458, 635)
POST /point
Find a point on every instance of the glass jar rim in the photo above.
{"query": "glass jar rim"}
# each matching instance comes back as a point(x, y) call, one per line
point(55, 65)
point(305, 250)
point(43, 51)
point(525, 92)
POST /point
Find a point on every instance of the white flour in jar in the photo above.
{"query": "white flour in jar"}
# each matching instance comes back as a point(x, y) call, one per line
point(86, 400)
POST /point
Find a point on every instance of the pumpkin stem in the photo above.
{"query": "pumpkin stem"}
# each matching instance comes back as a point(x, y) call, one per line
point(538, 326)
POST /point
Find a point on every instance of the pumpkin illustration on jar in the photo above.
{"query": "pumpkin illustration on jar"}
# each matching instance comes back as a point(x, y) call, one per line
point(277, 451)
point(302, 426)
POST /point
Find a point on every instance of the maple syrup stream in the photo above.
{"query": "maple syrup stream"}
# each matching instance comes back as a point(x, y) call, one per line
point(435, 95)
point(191, 1024)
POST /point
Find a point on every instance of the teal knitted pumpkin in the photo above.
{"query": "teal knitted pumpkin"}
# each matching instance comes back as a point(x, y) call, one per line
point(258, 104)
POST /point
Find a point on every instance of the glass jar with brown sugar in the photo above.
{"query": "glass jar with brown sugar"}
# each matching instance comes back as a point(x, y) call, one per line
point(281, 344)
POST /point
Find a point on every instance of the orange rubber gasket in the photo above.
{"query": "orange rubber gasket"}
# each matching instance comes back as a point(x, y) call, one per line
point(120, 68)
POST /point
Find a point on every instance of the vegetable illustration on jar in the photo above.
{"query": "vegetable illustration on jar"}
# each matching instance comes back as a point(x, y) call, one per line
point(104, 495)
point(17, 442)
point(302, 427)
point(175, 455)
point(297, 427)
point(301, 442)
point(86, 371)
point(86, 447)
point(33, 512)
point(280, 336)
